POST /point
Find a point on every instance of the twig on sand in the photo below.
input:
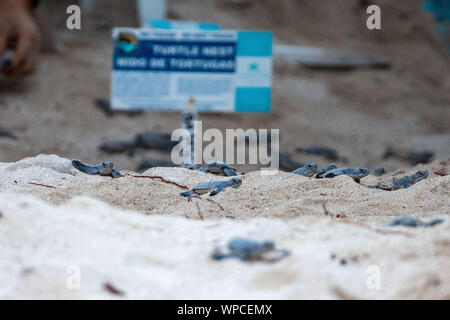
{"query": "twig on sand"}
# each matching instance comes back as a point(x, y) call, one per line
point(328, 213)
point(162, 179)
point(381, 231)
point(112, 289)
point(41, 185)
point(325, 210)
point(199, 212)
point(363, 225)
point(212, 201)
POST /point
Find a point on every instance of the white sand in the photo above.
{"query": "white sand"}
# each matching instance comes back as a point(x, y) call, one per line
point(139, 235)
point(166, 255)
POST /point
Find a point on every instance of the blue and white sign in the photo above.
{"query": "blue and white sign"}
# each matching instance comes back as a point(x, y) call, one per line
point(180, 24)
point(224, 71)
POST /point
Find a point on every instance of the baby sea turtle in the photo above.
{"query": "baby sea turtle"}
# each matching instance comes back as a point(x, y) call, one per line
point(105, 106)
point(104, 169)
point(155, 140)
point(321, 172)
point(412, 157)
point(403, 182)
point(287, 163)
point(151, 163)
point(221, 168)
point(411, 222)
point(213, 187)
point(356, 174)
point(250, 250)
point(379, 172)
point(408, 181)
point(7, 134)
point(323, 151)
point(117, 147)
point(189, 166)
point(307, 170)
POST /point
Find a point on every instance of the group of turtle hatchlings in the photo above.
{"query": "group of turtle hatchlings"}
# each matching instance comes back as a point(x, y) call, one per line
point(250, 250)
point(222, 168)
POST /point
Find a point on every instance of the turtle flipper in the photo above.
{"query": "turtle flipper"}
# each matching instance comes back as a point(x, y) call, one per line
point(188, 193)
point(435, 221)
point(85, 168)
point(216, 191)
point(218, 255)
point(116, 174)
point(229, 172)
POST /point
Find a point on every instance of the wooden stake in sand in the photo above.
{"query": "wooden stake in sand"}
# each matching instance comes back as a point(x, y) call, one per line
point(41, 185)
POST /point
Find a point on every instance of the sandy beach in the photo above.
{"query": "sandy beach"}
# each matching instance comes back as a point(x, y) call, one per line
point(140, 236)
point(135, 237)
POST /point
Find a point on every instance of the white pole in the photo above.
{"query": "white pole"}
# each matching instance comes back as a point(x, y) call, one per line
point(151, 9)
point(88, 5)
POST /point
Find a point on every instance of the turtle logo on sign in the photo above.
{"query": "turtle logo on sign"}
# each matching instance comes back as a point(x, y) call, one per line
point(127, 43)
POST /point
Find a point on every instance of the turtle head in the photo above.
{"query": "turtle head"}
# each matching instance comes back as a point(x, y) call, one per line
point(360, 172)
point(420, 174)
point(235, 182)
point(211, 163)
point(312, 166)
point(310, 169)
point(268, 245)
point(108, 164)
point(106, 168)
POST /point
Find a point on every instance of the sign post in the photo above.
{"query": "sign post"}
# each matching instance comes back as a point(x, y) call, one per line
point(188, 117)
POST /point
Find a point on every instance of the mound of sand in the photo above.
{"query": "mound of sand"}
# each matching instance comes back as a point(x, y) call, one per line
point(137, 235)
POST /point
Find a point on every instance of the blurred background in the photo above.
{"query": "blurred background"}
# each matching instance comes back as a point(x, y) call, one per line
point(358, 112)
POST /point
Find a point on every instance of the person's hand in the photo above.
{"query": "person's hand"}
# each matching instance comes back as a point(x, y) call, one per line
point(19, 31)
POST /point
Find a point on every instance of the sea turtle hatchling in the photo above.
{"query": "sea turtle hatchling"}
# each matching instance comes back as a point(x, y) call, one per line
point(379, 172)
point(408, 181)
point(357, 173)
point(154, 140)
point(307, 170)
point(220, 168)
point(403, 182)
point(250, 250)
point(112, 147)
point(324, 151)
point(411, 222)
point(7, 134)
point(189, 166)
point(321, 172)
point(213, 187)
point(287, 163)
point(104, 169)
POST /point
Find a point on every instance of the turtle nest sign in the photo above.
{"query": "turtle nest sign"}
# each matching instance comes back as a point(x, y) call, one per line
point(224, 71)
